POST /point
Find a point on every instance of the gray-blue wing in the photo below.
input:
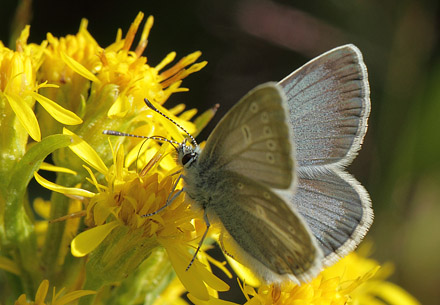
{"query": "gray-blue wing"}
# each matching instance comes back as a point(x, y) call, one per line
point(272, 238)
point(253, 139)
point(329, 105)
point(336, 208)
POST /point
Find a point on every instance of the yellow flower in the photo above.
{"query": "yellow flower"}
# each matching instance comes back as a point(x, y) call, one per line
point(120, 238)
point(102, 88)
point(77, 62)
point(19, 91)
point(57, 299)
point(107, 87)
point(353, 280)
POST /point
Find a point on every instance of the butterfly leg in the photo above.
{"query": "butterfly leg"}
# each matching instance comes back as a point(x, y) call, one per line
point(222, 246)
point(205, 217)
point(169, 200)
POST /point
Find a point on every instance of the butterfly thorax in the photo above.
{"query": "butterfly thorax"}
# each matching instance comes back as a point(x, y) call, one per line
point(203, 181)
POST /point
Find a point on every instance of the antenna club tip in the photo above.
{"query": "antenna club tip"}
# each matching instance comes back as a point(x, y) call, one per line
point(149, 104)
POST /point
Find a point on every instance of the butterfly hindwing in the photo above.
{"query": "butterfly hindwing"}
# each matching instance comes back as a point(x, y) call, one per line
point(336, 208)
point(266, 228)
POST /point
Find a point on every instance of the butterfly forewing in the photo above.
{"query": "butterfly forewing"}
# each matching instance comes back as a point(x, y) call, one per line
point(329, 105)
point(252, 139)
point(268, 230)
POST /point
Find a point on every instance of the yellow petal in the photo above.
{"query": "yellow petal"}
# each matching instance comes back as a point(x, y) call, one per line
point(147, 28)
point(202, 120)
point(62, 189)
point(219, 265)
point(394, 294)
point(190, 58)
point(42, 207)
point(21, 300)
point(243, 272)
point(41, 292)
point(72, 296)
point(191, 279)
point(120, 107)
point(211, 280)
point(46, 85)
point(196, 67)
point(26, 116)
point(177, 109)
point(212, 301)
point(87, 241)
point(52, 168)
point(9, 265)
point(168, 59)
point(59, 113)
point(78, 68)
point(188, 115)
point(83, 150)
point(101, 211)
point(93, 178)
point(132, 31)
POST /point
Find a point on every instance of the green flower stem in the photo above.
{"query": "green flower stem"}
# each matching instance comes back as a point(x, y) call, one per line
point(147, 282)
point(116, 257)
point(13, 140)
point(55, 272)
point(19, 239)
point(71, 270)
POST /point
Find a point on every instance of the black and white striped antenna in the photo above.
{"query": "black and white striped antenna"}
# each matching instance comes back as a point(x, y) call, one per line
point(123, 134)
point(157, 138)
point(193, 141)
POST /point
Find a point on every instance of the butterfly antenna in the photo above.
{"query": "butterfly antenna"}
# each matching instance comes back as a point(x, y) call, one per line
point(193, 141)
point(123, 134)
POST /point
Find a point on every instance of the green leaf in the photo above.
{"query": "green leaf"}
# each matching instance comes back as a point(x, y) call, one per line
point(20, 238)
point(31, 161)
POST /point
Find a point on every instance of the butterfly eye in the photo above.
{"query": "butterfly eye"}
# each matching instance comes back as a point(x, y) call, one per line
point(187, 158)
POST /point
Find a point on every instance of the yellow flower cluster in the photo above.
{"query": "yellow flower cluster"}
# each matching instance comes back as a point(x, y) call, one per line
point(353, 280)
point(91, 88)
point(57, 298)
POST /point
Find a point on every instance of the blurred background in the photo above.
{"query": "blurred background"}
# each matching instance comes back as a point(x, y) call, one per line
point(247, 42)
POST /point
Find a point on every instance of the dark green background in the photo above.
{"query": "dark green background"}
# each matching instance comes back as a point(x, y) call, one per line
point(400, 160)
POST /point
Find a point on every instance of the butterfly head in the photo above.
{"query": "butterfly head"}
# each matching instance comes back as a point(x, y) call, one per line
point(187, 154)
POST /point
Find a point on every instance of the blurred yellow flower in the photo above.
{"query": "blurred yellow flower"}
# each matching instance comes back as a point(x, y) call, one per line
point(355, 279)
point(57, 298)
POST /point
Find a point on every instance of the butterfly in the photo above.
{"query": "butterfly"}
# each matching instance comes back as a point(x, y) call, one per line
point(271, 173)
